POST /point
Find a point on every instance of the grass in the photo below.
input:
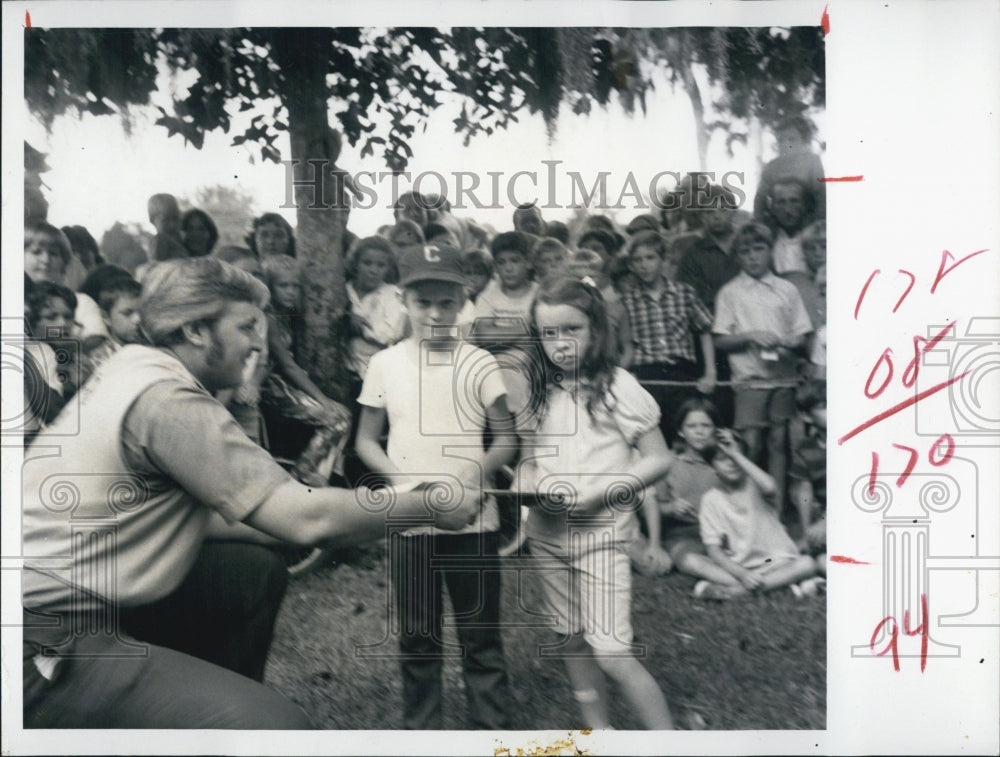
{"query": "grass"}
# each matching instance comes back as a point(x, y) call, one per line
point(758, 663)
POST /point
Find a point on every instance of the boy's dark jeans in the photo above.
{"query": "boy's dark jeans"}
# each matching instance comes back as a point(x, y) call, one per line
point(468, 565)
point(669, 398)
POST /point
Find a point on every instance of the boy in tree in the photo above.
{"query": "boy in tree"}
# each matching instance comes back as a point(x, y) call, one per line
point(795, 161)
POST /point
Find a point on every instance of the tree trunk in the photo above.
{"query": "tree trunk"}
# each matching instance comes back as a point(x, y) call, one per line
point(700, 130)
point(678, 45)
point(321, 215)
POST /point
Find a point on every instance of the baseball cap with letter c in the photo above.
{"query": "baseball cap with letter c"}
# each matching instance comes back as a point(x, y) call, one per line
point(431, 262)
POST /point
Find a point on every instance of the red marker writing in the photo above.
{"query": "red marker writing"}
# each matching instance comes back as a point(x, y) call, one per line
point(892, 646)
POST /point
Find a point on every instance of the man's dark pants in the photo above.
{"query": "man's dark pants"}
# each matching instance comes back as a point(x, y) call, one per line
point(193, 659)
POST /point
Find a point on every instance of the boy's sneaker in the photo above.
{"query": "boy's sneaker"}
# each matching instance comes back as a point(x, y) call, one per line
point(810, 587)
point(708, 590)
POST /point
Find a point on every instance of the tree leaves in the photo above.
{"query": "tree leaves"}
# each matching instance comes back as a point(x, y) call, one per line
point(383, 84)
point(80, 70)
point(186, 127)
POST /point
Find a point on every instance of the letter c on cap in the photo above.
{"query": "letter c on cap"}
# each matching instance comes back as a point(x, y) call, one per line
point(431, 254)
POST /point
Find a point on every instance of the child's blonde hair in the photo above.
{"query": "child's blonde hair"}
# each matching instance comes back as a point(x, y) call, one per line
point(277, 265)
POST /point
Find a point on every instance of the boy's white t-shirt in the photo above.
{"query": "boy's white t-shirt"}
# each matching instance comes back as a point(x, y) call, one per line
point(746, 528)
point(436, 401)
point(771, 304)
point(787, 255)
point(511, 312)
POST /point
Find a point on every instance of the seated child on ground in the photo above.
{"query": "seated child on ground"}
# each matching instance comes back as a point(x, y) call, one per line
point(680, 492)
point(808, 472)
point(288, 387)
point(741, 531)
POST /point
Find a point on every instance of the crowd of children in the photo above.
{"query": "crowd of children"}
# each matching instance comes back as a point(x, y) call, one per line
point(657, 393)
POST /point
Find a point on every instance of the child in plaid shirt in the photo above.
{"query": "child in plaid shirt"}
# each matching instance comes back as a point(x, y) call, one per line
point(666, 319)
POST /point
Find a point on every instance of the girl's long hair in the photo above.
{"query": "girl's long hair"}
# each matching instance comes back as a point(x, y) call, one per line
point(372, 243)
point(596, 365)
point(275, 220)
point(696, 404)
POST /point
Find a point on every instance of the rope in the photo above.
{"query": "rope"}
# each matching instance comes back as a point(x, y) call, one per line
point(758, 384)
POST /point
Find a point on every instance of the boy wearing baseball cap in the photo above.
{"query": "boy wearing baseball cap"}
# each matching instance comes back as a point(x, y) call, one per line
point(438, 394)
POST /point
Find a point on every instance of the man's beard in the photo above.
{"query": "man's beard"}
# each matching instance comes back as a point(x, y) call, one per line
point(216, 351)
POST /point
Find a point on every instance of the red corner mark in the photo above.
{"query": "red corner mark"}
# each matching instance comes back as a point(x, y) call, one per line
point(825, 21)
point(27, 20)
point(944, 269)
point(847, 560)
point(827, 179)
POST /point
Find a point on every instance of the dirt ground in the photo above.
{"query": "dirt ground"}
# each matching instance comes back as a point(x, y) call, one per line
point(758, 663)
